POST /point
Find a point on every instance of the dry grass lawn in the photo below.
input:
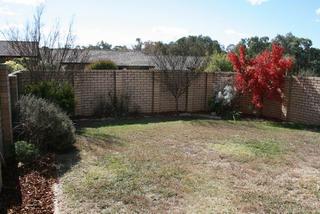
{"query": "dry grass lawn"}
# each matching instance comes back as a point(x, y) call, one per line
point(163, 165)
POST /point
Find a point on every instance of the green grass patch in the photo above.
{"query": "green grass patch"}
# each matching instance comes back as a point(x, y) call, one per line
point(251, 149)
point(103, 131)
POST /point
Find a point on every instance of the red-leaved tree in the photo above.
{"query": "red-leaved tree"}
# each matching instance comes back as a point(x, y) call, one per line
point(261, 76)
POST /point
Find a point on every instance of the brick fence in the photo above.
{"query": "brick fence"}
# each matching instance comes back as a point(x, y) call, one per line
point(148, 94)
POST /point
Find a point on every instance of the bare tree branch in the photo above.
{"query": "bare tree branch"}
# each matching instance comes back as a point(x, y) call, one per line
point(177, 71)
point(45, 54)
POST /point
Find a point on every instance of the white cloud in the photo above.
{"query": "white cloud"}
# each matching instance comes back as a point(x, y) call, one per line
point(232, 36)
point(256, 2)
point(318, 11)
point(232, 32)
point(25, 2)
point(6, 12)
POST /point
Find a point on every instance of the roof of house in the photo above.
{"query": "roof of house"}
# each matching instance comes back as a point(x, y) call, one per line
point(120, 58)
point(7, 50)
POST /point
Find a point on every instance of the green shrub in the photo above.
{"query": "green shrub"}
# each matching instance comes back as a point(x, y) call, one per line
point(26, 152)
point(113, 106)
point(61, 94)
point(103, 65)
point(219, 62)
point(43, 123)
point(14, 66)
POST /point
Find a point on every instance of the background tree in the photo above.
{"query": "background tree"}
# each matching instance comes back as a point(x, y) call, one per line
point(197, 45)
point(191, 45)
point(102, 45)
point(120, 48)
point(300, 50)
point(255, 45)
point(178, 71)
point(219, 62)
point(306, 57)
point(150, 47)
point(48, 51)
point(138, 46)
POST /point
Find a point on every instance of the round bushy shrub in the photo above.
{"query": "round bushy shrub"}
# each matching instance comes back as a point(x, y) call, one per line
point(60, 93)
point(44, 124)
point(103, 65)
point(26, 152)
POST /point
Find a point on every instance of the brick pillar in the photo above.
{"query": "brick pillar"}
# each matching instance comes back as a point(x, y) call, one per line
point(5, 106)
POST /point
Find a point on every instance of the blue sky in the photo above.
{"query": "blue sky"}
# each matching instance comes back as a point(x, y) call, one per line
point(122, 21)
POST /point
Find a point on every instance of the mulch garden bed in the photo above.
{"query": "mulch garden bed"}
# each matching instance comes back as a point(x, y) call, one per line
point(28, 188)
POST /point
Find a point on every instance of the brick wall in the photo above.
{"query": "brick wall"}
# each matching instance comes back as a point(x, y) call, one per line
point(300, 104)
point(91, 88)
point(149, 95)
point(304, 100)
point(138, 85)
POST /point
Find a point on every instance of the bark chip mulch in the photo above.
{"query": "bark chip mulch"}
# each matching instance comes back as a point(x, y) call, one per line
point(29, 190)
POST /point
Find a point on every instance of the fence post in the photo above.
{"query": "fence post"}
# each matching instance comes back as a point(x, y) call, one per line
point(289, 98)
point(206, 93)
point(187, 93)
point(152, 98)
point(114, 84)
point(5, 105)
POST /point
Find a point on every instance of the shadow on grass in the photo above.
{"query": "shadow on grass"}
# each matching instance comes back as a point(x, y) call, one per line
point(194, 119)
point(97, 123)
point(295, 126)
point(67, 160)
point(93, 145)
point(254, 122)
